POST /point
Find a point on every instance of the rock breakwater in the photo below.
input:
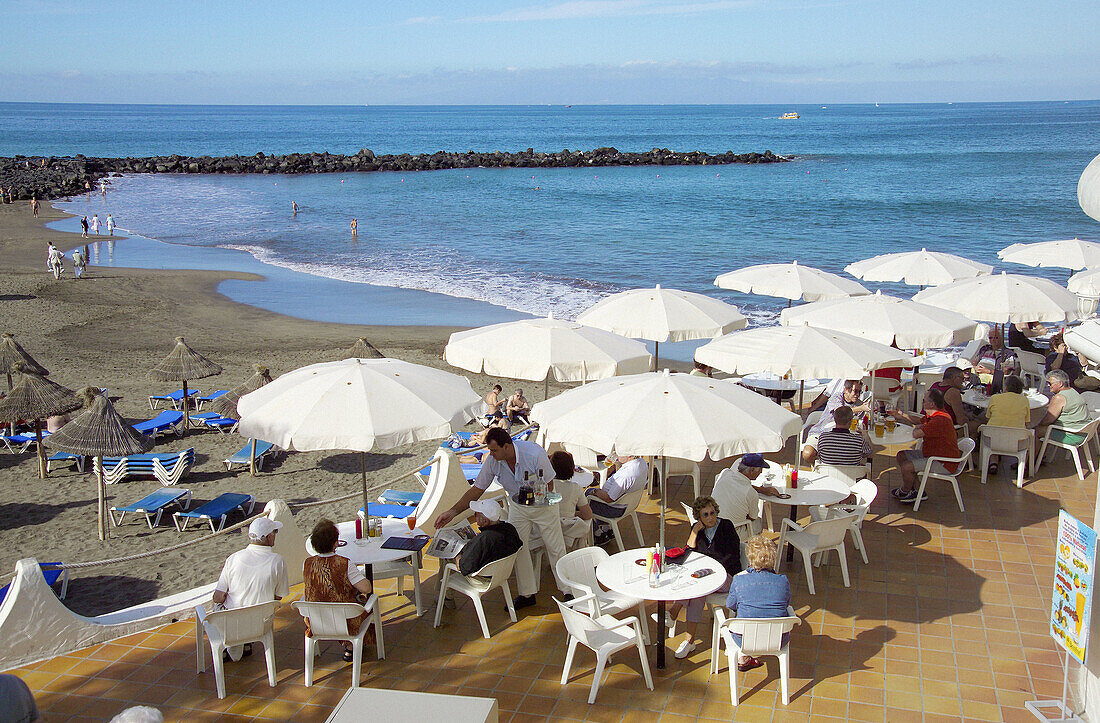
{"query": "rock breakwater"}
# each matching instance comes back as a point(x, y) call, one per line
point(56, 177)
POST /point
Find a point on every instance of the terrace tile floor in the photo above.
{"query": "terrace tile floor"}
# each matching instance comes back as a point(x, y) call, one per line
point(947, 623)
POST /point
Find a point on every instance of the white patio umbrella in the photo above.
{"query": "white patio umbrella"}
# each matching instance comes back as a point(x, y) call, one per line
point(1004, 299)
point(537, 349)
point(358, 404)
point(917, 268)
point(791, 281)
point(1085, 283)
point(1088, 189)
point(886, 320)
point(1066, 254)
point(659, 315)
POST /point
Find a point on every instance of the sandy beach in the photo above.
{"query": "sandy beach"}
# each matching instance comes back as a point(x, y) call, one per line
point(107, 330)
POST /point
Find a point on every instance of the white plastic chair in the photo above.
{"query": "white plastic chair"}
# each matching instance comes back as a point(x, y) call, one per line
point(228, 628)
point(847, 473)
point(1089, 430)
point(631, 500)
point(865, 492)
point(603, 635)
point(880, 392)
point(811, 419)
point(938, 471)
point(1031, 367)
point(329, 621)
point(677, 467)
point(759, 637)
point(577, 569)
point(1017, 442)
point(400, 569)
point(492, 576)
point(816, 537)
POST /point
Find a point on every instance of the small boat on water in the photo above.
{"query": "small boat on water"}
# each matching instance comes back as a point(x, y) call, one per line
point(789, 116)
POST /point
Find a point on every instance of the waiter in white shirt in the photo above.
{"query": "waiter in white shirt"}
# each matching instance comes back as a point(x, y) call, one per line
point(509, 462)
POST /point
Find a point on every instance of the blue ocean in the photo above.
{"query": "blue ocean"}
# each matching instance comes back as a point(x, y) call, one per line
point(475, 246)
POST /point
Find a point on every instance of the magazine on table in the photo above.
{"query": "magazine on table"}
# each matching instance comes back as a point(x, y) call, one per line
point(449, 542)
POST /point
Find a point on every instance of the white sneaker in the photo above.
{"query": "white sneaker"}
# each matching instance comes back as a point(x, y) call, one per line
point(685, 649)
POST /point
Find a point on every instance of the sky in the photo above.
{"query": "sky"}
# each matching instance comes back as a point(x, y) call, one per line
point(576, 51)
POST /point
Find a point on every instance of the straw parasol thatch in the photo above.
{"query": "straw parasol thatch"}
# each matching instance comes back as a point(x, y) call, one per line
point(11, 352)
point(181, 365)
point(99, 431)
point(361, 349)
point(36, 397)
point(226, 404)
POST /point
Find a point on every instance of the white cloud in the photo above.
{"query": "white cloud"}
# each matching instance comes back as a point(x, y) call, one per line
point(424, 20)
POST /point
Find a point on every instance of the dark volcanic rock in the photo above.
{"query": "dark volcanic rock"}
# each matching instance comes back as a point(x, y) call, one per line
point(23, 177)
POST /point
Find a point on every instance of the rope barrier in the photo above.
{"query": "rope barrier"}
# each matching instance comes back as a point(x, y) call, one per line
point(239, 525)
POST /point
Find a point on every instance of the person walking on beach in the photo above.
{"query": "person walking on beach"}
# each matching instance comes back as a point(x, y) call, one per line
point(34, 206)
point(355, 228)
point(84, 227)
point(79, 262)
point(53, 259)
point(95, 223)
point(110, 225)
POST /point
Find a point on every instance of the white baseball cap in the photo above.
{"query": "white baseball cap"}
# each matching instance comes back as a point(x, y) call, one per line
point(261, 527)
point(489, 508)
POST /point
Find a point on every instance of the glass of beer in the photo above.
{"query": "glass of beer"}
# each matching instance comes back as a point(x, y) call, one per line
point(855, 423)
point(880, 427)
point(891, 424)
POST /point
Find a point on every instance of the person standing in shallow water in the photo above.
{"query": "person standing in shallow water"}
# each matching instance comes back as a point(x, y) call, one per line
point(83, 227)
point(95, 223)
point(355, 228)
point(294, 207)
point(110, 225)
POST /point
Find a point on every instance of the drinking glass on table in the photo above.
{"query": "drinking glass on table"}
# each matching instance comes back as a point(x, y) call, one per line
point(891, 424)
point(411, 520)
point(880, 427)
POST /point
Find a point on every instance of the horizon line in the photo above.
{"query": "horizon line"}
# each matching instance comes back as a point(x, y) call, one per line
point(546, 105)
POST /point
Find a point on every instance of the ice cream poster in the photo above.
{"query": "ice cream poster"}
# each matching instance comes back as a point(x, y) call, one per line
point(1072, 603)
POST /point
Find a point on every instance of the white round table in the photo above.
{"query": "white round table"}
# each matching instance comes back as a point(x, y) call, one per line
point(770, 382)
point(620, 573)
point(978, 398)
point(902, 434)
point(369, 550)
point(813, 489)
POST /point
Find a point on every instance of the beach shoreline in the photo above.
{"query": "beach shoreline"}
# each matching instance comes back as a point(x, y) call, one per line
point(108, 330)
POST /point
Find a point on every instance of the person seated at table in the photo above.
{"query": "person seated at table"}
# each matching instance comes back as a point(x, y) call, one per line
point(840, 445)
point(758, 591)
point(699, 369)
point(951, 388)
point(938, 439)
point(1020, 336)
point(570, 482)
point(735, 491)
point(849, 395)
point(627, 475)
point(329, 577)
point(518, 409)
point(1009, 408)
point(994, 360)
point(1064, 358)
point(717, 538)
point(496, 538)
point(1067, 408)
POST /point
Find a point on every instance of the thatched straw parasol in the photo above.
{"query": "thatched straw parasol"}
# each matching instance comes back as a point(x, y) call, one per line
point(36, 397)
point(226, 404)
point(182, 364)
point(99, 431)
point(361, 349)
point(11, 352)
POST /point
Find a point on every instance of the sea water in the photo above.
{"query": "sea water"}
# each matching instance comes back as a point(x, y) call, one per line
point(474, 246)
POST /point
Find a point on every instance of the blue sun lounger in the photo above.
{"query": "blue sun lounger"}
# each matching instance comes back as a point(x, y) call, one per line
point(167, 421)
point(52, 576)
point(167, 467)
point(154, 504)
point(59, 457)
point(225, 425)
point(216, 509)
point(201, 417)
point(173, 398)
point(400, 497)
point(396, 511)
point(18, 443)
point(211, 397)
point(244, 455)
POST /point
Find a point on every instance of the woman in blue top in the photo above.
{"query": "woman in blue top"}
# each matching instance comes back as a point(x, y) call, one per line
point(759, 592)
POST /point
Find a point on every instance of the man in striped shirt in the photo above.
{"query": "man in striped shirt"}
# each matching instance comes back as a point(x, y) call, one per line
point(840, 445)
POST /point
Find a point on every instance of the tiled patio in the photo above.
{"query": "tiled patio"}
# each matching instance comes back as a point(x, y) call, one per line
point(948, 622)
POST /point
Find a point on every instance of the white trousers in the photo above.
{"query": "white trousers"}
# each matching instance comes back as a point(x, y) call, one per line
point(548, 522)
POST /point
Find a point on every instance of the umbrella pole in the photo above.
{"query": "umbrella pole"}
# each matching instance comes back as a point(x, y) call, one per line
point(656, 356)
point(185, 400)
point(11, 428)
point(546, 387)
point(363, 468)
point(661, 634)
point(102, 497)
point(801, 401)
point(41, 452)
point(252, 459)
